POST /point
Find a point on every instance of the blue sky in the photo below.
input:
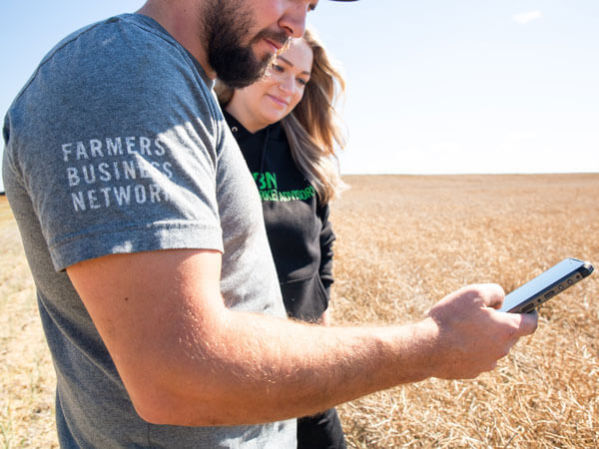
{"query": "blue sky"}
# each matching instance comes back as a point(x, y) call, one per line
point(434, 86)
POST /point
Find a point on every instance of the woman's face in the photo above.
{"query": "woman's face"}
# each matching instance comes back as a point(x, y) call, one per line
point(270, 99)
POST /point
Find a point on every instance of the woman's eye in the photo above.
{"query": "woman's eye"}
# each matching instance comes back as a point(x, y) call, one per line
point(277, 68)
point(302, 82)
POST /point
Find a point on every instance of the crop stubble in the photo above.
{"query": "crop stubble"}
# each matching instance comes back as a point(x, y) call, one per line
point(403, 242)
point(406, 241)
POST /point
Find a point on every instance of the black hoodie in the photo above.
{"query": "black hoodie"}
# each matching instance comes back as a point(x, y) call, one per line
point(299, 232)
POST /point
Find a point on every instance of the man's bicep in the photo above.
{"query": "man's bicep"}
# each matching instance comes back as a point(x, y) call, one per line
point(145, 305)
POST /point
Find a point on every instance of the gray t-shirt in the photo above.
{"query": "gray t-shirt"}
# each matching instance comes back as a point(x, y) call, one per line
point(117, 145)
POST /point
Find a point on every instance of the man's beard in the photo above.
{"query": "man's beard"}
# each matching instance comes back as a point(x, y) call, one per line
point(227, 24)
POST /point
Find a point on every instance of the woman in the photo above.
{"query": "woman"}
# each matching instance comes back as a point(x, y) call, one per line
point(285, 126)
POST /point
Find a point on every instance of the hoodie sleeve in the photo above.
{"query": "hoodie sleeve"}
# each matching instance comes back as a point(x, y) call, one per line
point(327, 237)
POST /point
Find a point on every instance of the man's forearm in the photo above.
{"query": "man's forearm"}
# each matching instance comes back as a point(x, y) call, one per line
point(185, 359)
point(258, 369)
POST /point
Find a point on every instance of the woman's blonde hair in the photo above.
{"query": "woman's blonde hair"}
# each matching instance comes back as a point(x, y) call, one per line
point(313, 128)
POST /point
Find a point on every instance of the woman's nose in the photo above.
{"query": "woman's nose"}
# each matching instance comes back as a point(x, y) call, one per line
point(286, 84)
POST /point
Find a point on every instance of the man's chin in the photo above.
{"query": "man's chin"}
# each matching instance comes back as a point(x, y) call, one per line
point(238, 78)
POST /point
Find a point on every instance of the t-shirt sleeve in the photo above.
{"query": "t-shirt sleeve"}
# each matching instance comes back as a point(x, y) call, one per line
point(116, 141)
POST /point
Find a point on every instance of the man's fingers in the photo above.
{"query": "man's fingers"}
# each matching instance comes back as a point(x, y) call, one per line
point(522, 323)
point(528, 322)
point(493, 295)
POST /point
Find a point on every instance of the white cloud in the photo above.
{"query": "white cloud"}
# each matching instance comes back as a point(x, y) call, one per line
point(525, 17)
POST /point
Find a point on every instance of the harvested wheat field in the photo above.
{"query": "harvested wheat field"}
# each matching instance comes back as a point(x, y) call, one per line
point(403, 243)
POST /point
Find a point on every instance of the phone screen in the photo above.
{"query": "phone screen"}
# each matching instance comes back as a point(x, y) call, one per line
point(546, 285)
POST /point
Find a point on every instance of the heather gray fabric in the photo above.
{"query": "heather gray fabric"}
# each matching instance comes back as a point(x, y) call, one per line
point(117, 145)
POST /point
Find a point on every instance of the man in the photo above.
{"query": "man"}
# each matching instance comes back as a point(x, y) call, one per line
point(143, 231)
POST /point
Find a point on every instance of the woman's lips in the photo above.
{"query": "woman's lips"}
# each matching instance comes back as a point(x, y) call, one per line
point(278, 100)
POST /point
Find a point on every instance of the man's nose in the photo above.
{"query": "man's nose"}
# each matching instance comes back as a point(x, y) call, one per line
point(294, 19)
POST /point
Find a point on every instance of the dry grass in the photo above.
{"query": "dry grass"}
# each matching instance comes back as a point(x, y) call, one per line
point(26, 374)
point(404, 242)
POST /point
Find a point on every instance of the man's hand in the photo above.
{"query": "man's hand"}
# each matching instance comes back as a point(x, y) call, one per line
point(470, 335)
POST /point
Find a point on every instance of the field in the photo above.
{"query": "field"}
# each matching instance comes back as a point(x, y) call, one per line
point(403, 243)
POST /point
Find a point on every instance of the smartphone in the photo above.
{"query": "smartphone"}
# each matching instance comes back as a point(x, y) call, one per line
point(546, 285)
